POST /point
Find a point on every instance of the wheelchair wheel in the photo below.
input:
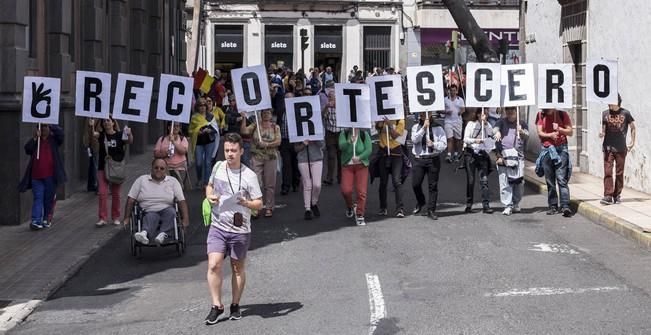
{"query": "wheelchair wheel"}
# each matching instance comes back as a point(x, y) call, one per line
point(132, 245)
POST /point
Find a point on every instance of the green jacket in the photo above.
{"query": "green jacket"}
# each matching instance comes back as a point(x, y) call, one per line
point(363, 146)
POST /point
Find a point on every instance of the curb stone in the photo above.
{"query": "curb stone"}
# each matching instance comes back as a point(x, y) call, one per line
point(599, 216)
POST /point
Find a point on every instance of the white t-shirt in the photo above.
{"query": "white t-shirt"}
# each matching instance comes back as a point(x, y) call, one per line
point(454, 106)
point(232, 184)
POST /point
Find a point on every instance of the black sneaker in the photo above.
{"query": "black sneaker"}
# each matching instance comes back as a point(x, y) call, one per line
point(617, 200)
point(488, 210)
point(552, 211)
point(315, 210)
point(400, 213)
point(235, 312)
point(212, 317)
point(431, 215)
point(468, 209)
point(350, 213)
point(308, 215)
point(567, 212)
point(607, 200)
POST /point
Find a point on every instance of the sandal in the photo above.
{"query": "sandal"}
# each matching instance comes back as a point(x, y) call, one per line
point(268, 212)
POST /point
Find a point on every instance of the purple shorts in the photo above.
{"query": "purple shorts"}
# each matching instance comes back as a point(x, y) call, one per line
point(230, 244)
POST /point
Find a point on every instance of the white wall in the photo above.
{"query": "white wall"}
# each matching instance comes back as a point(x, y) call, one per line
point(547, 48)
point(626, 41)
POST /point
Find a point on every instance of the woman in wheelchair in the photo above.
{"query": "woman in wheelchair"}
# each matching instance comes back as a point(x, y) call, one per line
point(156, 194)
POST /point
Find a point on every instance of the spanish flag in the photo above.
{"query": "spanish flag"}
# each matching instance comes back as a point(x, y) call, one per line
point(203, 81)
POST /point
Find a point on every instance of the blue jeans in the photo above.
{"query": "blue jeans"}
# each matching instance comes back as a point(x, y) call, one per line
point(203, 158)
point(43, 191)
point(557, 175)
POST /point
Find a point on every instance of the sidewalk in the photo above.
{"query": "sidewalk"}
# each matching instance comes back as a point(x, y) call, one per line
point(631, 218)
point(34, 264)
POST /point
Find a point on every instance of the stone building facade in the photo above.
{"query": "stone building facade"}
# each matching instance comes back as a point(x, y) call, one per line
point(55, 38)
point(574, 32)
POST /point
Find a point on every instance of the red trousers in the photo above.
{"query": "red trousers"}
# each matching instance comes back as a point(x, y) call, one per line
point(356, 175)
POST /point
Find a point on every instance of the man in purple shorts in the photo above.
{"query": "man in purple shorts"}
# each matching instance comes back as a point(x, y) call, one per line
point(233, 191)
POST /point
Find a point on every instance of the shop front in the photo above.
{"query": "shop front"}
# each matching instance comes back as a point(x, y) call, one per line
point(328, 47)
point(229, 47)
point(279, 47)
point(435, 51)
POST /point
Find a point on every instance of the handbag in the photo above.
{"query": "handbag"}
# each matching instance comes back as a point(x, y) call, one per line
point(114, 171)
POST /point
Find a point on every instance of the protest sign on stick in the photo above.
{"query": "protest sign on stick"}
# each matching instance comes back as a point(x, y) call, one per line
point(132, 98)
point(304, 120)
point(555, 86)
point(425, 88)
point(601, 83)
point(353, 105)
point(174, 98)
point(251, 88)
point(483, 80)
point(386, 97)
point(93, 95)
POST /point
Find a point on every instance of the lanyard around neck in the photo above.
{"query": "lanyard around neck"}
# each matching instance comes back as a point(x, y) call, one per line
point(229, 181)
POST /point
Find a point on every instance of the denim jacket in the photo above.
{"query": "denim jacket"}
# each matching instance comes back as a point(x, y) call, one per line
point(553, 153)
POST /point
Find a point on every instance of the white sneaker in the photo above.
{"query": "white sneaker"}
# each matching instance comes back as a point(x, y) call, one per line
point(117, 222)
point(360, 221)
point(141, 237)
point(507, 211)
point(100, 223)
point(160, 238)
point(517, 209)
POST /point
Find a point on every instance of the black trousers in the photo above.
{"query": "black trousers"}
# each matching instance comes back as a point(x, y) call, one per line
point(392, 165)
point(291, 177)
point(474, 163)
point(431, 167)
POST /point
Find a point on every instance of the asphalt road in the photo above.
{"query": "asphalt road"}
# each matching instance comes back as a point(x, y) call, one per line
point(463, 274)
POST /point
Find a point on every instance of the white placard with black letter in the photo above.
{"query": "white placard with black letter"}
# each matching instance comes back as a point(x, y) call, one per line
point(555, 86)
point(601, 84)
point(518, 85)
point(132, 97)
point(425, 88)
point(483, 83)
point(251, 88)
point(93, 95)
point(41, 100)
point(174, 98)
point(353, 105)
point(304, 120)
point(386, 97)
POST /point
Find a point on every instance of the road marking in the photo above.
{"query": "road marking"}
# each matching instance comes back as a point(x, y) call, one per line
point(376, 301)
point(538, 291)
point(555, 248)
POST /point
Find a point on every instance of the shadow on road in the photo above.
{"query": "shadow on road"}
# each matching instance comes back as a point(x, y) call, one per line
point(272, 310)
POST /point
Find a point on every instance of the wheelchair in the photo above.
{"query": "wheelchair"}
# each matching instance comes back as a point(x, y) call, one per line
point(177, 238)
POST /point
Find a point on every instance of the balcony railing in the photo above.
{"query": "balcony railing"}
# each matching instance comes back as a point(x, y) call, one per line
point(472, 3)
